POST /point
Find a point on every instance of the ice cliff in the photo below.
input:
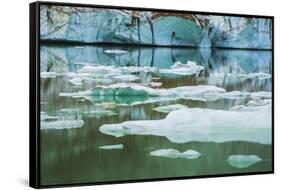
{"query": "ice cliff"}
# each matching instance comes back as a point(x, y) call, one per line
point(92, 25)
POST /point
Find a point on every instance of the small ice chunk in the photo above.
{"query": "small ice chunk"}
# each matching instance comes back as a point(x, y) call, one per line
point(49, 74)
point(235, 95)
point(169, 108)
point(136, 69)
point(173, 153)
point(110, 147)
point(178, 68)
point(101, 70)
point(260, 76)
point(126, 78)
point(243, 161)
point(261, 95)
point(115, 51)
point(98, 113)
point(62, 124)
point(44, 116)
point(259, 102)
point(155, 84)
point(76, 81)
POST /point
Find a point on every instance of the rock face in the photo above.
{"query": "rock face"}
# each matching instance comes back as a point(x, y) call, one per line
point(93, 25)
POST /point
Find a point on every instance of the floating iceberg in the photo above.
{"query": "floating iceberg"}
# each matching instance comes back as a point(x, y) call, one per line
point(169, 108)
point(132, 94)
point(155, 84)
point(239, 76)
point(115, 51)
point(98, 113)
point(261, 95)
point(126, 78)
point(49, 74)
point(44, 116)
point(110, 147)
point(260, 76)
point(173, 153)
point(62, 124)
point(234, 95)
point(135, 69)
point(76, 81)
point(259, 102)
point(243, 161)
point(100, 70)
point(178, 68)
point(187, 125)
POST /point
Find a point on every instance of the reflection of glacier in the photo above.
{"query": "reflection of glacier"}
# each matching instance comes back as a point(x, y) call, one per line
point(203, 125)
point(92, 25)
point(219, 65)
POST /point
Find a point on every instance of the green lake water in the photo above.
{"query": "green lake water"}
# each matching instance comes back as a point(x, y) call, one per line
point(73, 155)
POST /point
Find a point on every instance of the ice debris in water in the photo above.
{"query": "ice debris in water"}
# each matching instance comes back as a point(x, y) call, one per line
point(133, 93)
point(260, 76)
point(173, 153)
point(126, 78)
point(49, 74)
point(110, 147)
point(261, 95)
point(129, 89)
point(235, 95)
point(239, 76)
point(259, 102)
point(155, 84)
point(101, 70)
point(190, 68)
point(217, 126)
point(243, 161)
point(115, 51)
point(98, 113)
point(169, 108)
point(44, 116)
point(62, 124)
point(76, 81)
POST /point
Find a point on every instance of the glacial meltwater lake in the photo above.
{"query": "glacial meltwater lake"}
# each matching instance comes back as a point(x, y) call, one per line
point(73, 139)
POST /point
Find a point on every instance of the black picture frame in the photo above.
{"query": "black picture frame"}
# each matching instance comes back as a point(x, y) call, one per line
point(34, 93)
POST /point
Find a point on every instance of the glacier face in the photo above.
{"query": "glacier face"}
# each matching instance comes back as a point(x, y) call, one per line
point(92, 25)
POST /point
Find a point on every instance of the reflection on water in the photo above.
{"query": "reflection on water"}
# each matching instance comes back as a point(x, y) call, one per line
point(72, 155)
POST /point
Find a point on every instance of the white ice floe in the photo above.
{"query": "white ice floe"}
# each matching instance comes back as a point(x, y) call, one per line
point(173, 153)
point(169, 108)
point(261, 95)
point(260, 76)
point(205, 125)
point(190, 68)
point(126, 78)
point(136, 93)
point(49, 74)
point(115, 51)
point(238, 76)
point(243, 161)
point(155, 84)
point(259, 102)
point(233, 95)
point(98, 113)
point(145, 94)
point(76, 81)
point(44, 116)
point(136, 69)
point(62, 124)
point(101, 70)
point(110, 147)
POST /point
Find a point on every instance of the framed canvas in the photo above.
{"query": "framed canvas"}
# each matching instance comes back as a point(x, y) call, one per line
point(122, 94)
